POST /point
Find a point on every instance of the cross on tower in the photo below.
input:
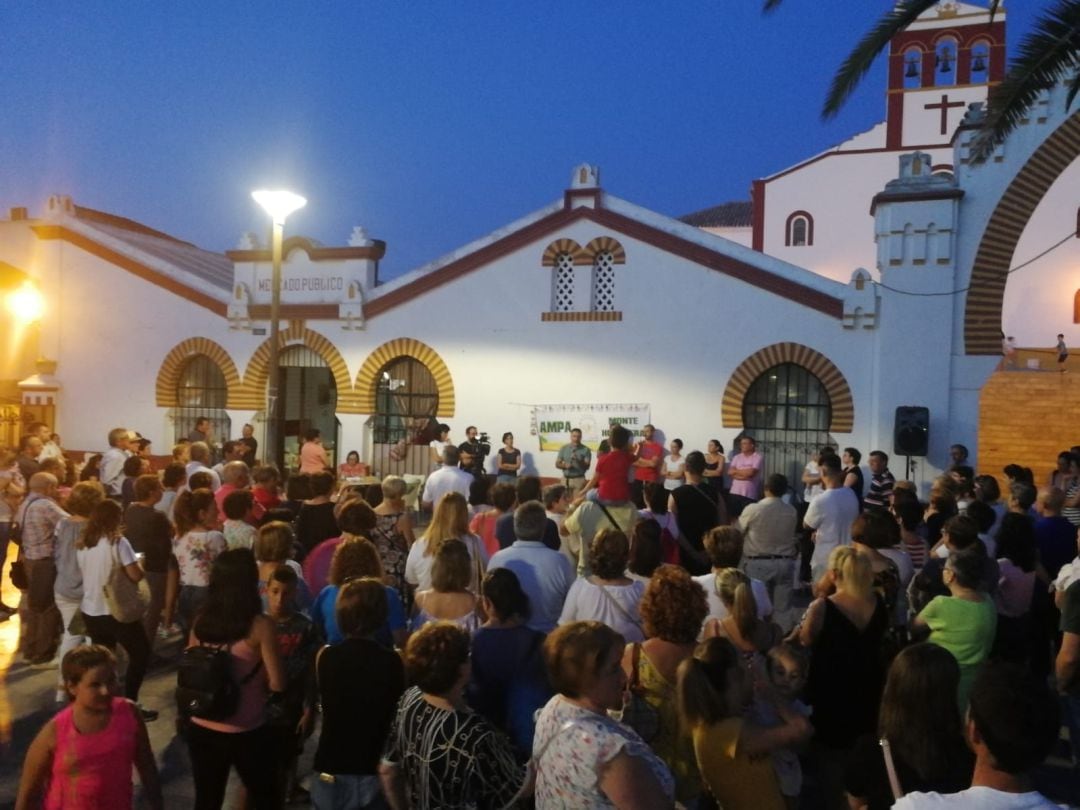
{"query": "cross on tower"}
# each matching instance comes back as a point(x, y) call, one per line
point(944, 105)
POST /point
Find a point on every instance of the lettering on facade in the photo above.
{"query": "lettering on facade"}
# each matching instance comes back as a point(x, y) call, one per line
point(305, 284)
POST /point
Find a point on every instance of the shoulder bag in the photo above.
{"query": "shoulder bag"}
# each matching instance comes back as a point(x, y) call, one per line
point(127, 600)
point(637, 712)
point(619, 608)
point(890, 769)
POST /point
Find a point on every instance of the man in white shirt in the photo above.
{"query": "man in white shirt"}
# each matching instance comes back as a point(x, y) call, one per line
point(769, 548)
point(830, 515)
point(112, 461)
point(1012, 725)
point(448, 478)
point(545, 574)
point(199, 453)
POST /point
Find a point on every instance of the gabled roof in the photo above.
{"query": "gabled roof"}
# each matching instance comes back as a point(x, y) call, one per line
point(735, 214)
point(689, 242)
point(213, 268)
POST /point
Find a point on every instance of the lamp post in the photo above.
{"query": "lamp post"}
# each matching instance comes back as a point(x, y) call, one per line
point(278, 204)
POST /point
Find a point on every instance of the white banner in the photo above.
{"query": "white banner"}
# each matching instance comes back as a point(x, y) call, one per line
point(552, 423)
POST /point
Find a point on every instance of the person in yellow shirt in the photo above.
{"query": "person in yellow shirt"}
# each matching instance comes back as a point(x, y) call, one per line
point(733, 753)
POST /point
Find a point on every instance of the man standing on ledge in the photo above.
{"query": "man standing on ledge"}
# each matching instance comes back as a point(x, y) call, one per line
point(745, 471)
point(574, 460)
point(881, 482)
point(648, 457)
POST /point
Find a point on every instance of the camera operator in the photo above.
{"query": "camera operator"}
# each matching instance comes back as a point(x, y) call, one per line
point(473, 450)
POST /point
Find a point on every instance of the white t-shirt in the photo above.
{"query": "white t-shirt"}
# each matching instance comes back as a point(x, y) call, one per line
point(716, 607)
point(446, 479)
point(811, 491)
point(831, 514)
point(618, 609)
point(983, 798)
point(438, 447)
point(674, 465)
point(96, 565)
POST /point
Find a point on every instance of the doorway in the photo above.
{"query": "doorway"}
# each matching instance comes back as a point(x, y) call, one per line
point(308, 400)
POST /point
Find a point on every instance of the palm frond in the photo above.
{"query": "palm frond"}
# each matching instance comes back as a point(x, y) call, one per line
point(860, 59)
point(1050, 52)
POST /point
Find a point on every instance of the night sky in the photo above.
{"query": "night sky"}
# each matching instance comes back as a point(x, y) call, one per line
point(431, 124)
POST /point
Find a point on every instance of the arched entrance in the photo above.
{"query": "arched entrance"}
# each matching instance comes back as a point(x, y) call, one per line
point(406, 407)
point(788, 412)
point(309, 399)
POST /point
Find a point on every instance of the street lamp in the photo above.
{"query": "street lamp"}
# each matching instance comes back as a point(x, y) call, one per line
point(278, 204)
point(26, 304)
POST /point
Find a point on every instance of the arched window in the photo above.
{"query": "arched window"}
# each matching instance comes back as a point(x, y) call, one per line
point(799, 230)
point(406, 402)
point(913, 68)
point(562, 284)
point(980, 63)
point(603, 282)
point(201, 392)
point(945, 62)
point(788, 412)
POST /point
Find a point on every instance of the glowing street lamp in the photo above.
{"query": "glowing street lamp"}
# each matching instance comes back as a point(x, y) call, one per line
point(26, 304)
point(278, 204)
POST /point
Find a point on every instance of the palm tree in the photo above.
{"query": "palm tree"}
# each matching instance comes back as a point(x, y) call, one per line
point(1049, 53)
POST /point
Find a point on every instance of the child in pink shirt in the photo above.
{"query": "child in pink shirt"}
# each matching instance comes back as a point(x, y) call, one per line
point(83, 757)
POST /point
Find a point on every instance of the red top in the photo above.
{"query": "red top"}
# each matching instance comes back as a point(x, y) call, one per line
point(93, 771)
point(649, 451)
point(612, 470)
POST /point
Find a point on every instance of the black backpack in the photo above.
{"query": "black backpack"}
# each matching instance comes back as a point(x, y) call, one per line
point(205, 686)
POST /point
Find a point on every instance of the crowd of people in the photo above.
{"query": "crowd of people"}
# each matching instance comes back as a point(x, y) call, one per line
point(629, 636)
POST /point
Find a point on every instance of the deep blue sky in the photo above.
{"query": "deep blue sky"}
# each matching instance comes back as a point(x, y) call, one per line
point(429, 123)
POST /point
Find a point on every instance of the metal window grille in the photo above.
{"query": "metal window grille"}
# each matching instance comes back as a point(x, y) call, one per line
point(798, 232)
point(603, 283)
point(562, 291)
point(788, 412)
point(406, 401)
point(201, 391)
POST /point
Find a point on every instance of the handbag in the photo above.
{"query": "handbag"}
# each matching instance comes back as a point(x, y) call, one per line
point(19, 577)
point(127, 600)
point(637, 712)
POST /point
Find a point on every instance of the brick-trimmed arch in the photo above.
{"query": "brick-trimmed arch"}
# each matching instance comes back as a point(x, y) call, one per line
point(172, 366)
point(367, 383)
point(258, 368)
point(842, 404)
point(605, 244)
point(558, 248)
point(989, 272)
point(789, 229)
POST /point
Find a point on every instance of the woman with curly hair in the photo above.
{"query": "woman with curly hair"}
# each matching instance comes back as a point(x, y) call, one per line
point(355, 558)
point(450, 521)
point(672, 612)
point(440, 753)
point(607, 595)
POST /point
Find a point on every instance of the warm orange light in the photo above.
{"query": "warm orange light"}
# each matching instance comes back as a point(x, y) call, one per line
point(26, 304)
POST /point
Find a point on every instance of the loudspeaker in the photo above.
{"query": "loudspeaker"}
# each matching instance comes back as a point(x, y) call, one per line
point(911, 434)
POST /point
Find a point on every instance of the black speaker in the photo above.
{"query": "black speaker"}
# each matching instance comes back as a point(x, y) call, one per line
point(911, 434)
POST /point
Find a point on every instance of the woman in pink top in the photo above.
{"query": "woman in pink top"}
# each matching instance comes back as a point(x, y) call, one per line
point(82, 758)
point(313, 456)
point(232, 617)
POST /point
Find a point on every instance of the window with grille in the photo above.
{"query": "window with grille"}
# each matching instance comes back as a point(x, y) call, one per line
point(562, 292)
point(406, 401)
point(201, 391)
point(603, 283)
point(799, 230)
point(788, 412)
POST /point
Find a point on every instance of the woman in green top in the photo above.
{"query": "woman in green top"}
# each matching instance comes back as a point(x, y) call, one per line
point(964, 622)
